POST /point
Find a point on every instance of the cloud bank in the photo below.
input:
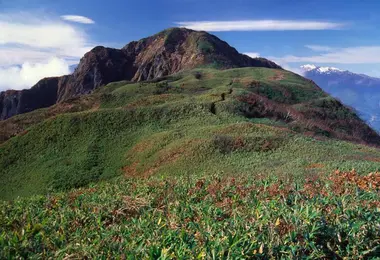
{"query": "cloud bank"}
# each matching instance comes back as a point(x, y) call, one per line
point(319, 48)
point(77, 19)
point(34, 44)
point(260, 25)
point(349, 55)
point(252, 54)
point(28, 74)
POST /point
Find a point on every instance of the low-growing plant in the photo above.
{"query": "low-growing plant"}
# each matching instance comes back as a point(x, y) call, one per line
point(326, 216)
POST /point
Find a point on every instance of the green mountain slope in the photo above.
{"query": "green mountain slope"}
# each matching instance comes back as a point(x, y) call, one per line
point(245, 121)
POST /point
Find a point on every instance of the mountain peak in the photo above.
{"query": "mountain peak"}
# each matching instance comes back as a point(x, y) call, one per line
point(312, 67)
point(177, 49)
point(165, 53)
point(308, 67)
point(328, 69)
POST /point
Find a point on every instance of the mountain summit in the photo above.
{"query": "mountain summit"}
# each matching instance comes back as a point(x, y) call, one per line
point(170, 51)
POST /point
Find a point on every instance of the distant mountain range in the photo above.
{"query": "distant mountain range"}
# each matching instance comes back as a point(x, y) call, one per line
point(359, 91)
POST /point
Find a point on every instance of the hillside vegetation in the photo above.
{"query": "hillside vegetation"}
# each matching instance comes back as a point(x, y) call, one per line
point(249, 162)
point(237, 121)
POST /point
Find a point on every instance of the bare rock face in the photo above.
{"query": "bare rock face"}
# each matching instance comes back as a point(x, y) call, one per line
point(178, 49)
point(43, 94)
point(97, 68)
point(165, 53)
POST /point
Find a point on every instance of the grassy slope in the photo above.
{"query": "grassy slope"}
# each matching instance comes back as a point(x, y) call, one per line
point(195, 176)
point(175, 128)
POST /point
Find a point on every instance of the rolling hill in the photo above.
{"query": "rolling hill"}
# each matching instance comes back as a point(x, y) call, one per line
point(72, 148)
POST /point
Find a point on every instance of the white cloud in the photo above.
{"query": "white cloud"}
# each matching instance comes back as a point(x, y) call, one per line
point(260, 25)
point(34, 42)
point(41, 34)
point(28, 74)
point(308, 67)
point(350, 55)
point(252, 54)
point(296, 70)
point(319, 48)
point(284, 65)
point(77, 19)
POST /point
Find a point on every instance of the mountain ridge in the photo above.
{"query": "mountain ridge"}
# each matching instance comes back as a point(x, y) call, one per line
point(162, 54)
point(193, 115)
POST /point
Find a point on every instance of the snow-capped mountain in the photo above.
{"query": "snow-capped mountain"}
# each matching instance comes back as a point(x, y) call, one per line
point(310, 67)
point(359, 91)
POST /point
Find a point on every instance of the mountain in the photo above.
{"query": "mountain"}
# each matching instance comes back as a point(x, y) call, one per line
point(359, 91)
point(191, 117)
point(192, 164)
point(165, 53)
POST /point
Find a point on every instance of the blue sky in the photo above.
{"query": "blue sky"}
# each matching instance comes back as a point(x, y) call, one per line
point(43, 37)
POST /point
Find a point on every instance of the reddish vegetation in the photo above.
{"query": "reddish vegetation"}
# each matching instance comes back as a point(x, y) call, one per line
point(130, 170)
point(249, 82)
point(165, 157)
point(279, 75)
point(339, 183)
point(368, 182)
point(313, 120)
point(260, 106)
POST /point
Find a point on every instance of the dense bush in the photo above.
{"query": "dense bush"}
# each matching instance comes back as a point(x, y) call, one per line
point(197, 74)
point(205, 46)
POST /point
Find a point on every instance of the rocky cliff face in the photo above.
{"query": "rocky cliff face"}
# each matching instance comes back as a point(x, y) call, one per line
point(179, 49)
point(165, 53)
point(43, 94)
point(97, 68)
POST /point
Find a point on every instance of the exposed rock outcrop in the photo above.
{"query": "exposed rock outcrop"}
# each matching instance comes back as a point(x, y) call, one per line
point(43, 94)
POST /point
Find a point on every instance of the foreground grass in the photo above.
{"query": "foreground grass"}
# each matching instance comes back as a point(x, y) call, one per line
point(204, 217)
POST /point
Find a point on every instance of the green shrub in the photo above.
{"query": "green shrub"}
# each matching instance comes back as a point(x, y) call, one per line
point(205, 46)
